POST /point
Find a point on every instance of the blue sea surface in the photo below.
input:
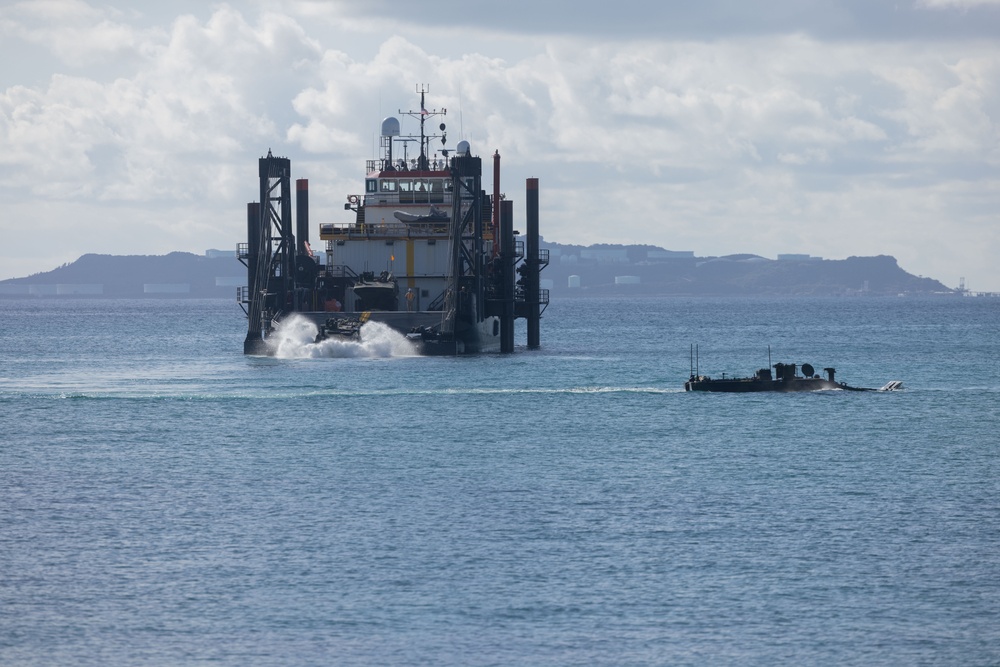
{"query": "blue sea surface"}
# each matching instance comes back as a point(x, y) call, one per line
point(165, 500)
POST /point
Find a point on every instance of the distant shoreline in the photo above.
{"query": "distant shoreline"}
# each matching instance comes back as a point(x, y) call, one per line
point(572, 272)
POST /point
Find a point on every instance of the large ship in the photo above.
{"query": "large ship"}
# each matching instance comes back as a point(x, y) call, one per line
point(426, 250)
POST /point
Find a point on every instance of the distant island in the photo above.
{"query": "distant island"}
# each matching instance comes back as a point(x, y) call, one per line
point(573, 270)
point(216, 274)
point(645, 269)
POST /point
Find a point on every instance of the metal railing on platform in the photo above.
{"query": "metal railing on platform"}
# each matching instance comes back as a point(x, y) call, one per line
point(380, 230)
point(341, 271)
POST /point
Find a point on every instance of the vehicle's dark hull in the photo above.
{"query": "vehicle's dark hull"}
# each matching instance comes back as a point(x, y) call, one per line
point(742, 385)
point(784, 380)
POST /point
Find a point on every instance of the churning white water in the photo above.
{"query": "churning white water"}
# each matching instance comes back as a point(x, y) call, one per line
point(293, 339)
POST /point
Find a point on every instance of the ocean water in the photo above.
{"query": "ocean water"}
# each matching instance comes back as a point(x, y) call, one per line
point(165, 500)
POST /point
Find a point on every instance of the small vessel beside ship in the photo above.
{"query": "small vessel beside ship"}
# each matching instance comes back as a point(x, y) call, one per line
point(784, 379)
point(427, 252)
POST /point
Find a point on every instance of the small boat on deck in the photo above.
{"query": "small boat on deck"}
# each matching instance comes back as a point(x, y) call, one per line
point(434, 214)
point(379, 292)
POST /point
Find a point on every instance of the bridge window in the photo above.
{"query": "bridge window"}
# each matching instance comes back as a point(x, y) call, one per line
point(420, 191)
point(436, 190)
point(388, 185)
point(371, 185)
point(405, 191)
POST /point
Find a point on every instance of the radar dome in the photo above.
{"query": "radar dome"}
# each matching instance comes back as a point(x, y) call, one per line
point(463, 147)
point(390, 127)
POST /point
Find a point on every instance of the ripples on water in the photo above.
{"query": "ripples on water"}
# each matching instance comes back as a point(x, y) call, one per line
point(166, 500)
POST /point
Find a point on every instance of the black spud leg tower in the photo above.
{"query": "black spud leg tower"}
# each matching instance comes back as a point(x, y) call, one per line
point(270, 253)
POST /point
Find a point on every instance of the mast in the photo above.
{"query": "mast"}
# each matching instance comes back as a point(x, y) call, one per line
point(422, 160)
point(423, 163)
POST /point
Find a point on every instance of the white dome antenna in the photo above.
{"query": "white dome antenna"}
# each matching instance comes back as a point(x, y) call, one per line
point(390, 127)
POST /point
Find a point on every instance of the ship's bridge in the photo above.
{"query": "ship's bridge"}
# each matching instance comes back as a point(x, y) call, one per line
point(407, 187)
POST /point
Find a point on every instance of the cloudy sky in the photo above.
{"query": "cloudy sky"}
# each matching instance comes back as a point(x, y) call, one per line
point(827, 127)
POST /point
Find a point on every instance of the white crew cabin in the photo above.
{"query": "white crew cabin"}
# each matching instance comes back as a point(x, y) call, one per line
point(402, 225)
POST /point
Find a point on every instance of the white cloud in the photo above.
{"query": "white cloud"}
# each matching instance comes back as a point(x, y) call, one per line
point(77, 33)
point(950, 108)
point(207, 97)
point(948, 4)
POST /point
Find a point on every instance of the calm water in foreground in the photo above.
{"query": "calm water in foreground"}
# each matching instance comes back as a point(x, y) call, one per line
point(165, 500)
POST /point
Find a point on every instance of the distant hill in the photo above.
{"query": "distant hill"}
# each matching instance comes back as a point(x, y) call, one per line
point(178, 275)
point(572, 271)
point(607, 269)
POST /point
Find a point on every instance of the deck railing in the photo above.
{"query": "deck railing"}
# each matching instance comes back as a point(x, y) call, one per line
point(386, 230)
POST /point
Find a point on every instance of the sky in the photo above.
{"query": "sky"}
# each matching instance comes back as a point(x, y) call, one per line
point(827, 127)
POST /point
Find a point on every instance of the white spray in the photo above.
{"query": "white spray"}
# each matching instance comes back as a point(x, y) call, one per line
point(293, 339)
